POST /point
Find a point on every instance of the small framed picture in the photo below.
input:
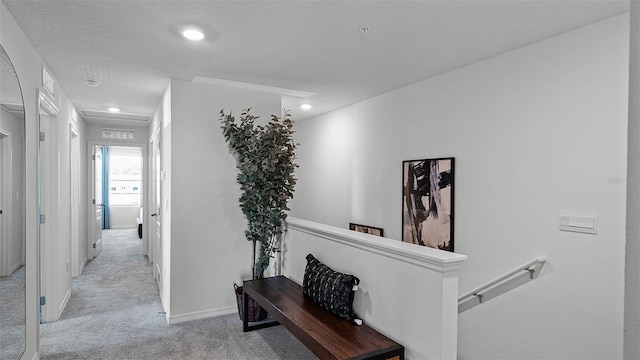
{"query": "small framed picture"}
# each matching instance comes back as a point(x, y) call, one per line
point(366, 229)
point(427, 202)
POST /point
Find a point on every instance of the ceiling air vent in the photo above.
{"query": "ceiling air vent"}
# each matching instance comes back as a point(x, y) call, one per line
point(106, 115)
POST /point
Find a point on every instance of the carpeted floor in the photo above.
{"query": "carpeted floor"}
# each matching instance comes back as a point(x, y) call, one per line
point(12, 315)
point(115, 313)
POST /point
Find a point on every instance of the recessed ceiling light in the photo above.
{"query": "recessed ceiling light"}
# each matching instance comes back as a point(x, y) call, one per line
point(114, 109)
point(193, 34)
point(305, 106)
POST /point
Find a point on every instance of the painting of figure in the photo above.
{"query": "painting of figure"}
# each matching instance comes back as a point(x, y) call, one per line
point(427, 202)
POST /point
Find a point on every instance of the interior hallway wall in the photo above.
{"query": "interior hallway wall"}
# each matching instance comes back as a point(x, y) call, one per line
point(61, 249)
point(208, 248)
point(165, 203)
point(28, 65)
point(81, 250)
point(632, 254)
point(534, 131)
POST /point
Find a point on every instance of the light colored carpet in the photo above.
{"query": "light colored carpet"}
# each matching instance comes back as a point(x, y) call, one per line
point(115, 313)
point(12, 315)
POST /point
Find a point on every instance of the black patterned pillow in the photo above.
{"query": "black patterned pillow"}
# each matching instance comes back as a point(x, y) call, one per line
point(330, 289)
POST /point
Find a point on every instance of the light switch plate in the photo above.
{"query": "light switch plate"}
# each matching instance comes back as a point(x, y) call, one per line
point(576, 221)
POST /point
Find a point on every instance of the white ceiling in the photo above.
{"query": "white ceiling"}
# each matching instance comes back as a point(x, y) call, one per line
point(312, 47)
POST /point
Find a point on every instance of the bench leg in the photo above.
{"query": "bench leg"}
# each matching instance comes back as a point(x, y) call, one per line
point(245, 311)
point(245, 322)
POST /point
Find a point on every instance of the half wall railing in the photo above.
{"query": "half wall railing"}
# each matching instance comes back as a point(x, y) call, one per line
point(407, 292)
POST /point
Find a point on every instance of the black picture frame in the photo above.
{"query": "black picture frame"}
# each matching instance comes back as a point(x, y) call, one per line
point(428, 189)
point(367, 229)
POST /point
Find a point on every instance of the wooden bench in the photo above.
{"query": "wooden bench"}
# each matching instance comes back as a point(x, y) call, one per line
point(327, 335)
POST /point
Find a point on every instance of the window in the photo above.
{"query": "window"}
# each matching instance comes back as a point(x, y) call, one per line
point(125, 176)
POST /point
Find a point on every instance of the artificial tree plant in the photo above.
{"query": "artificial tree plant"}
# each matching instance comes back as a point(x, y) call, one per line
point(265, 158)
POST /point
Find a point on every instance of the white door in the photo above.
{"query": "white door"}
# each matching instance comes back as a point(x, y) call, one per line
point(97, 201)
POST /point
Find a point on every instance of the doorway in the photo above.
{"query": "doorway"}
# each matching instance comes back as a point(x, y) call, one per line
point(97, 206)
point(117, 193)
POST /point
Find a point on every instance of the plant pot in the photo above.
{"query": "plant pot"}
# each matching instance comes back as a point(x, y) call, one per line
point(255, 312)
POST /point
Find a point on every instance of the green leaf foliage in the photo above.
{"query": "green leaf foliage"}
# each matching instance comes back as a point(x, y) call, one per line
point(266, 162)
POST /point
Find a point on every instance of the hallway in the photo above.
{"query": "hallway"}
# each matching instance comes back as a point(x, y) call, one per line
point(115, 313)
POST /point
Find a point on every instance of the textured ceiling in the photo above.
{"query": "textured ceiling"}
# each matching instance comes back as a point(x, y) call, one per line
point(134, 47)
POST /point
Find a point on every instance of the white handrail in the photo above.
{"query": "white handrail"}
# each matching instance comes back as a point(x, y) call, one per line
point(499, 286)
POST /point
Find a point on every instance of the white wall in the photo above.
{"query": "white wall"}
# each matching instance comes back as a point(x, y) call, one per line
point(28, 65)
point(534, 131)
point(208, 248)
point(165, 202)
point(77, 189)
point(60, 259)
point(123, 217)
point(15, 207)
point(632, 253)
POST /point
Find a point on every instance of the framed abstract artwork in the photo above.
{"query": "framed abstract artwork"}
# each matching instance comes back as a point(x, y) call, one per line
point(366, 229)
point(427, 202)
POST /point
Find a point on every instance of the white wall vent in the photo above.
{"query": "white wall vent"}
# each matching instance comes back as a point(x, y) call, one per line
point(118, 134)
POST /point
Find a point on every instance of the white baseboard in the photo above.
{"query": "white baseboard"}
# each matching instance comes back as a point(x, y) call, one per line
point(67, 296)
point(173, 319)
point(14, 268)
point(82, 265)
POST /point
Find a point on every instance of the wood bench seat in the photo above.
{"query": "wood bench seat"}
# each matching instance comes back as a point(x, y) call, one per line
point(327, 335)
